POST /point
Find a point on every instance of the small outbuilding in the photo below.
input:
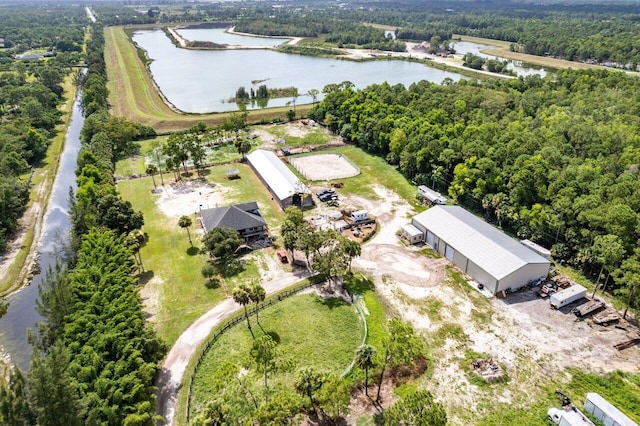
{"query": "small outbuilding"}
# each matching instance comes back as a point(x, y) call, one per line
point(483, 252)
point(283, 184)
point(412, 234)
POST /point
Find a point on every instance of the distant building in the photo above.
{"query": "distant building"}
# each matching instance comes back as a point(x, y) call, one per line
point(244, 218)
point(483, 252)
point(430, 195)
point(283, 184)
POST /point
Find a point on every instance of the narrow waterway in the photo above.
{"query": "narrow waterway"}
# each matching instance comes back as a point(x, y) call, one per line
point(22, 312)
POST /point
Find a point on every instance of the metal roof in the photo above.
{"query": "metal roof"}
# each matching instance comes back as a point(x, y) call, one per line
point(486, 246)
point(411, 230)
point(282, 181)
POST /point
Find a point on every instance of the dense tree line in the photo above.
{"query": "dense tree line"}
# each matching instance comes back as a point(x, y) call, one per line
point(94, 359)
point(42, 26)
point(555, 159)
point(582, 32)
point(30, 93)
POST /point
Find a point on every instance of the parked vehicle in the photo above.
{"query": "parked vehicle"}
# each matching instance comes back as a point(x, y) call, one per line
point(568, 416)
point(282, 256)
point(568, 295)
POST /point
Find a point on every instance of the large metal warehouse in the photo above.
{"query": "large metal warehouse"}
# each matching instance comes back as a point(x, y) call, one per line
point(283, 184)
point(483, 252)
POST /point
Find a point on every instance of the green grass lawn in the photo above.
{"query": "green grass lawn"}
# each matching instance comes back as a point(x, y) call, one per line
point(168, 261)
point(315, 136)
point(182, 295)
point(312, 332)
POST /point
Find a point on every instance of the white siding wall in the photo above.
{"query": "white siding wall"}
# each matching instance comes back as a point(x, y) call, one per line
point(482, 276)
point(523, 276)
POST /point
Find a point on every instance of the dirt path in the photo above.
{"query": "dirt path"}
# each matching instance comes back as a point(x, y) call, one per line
point(173, 368)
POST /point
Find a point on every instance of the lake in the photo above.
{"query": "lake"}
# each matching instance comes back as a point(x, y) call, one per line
point(519, 68)
point(200, 81)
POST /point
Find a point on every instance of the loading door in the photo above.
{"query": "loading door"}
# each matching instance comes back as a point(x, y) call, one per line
point(449, 252)
point(430, 238)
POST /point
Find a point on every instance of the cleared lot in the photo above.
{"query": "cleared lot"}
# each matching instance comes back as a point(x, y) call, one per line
point(324, 166)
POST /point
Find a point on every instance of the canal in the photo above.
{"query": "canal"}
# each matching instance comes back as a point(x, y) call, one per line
point(22, 312)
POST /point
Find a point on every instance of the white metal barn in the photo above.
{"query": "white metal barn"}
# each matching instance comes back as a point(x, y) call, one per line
point(483, 252)
point(283, 184)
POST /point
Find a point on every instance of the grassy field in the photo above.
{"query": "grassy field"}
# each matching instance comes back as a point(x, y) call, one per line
point(173, 267)
point(41, 186)
point(314, 136)
point(312, 332)
point(133, 94)
point(182, 296)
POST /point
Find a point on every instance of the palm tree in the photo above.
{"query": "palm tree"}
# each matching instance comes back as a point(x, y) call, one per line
point(241, 296)
point(152, 170)
point(365, 356)
point(314, 95)
point(257, 295)
point(307, 382)
point(352, 249)
point(185, 222)
point(135, 239)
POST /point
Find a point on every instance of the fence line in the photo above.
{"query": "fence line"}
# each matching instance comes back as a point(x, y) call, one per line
point(235, 320)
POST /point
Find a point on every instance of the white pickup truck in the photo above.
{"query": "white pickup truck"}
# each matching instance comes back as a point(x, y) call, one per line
point(568, 416)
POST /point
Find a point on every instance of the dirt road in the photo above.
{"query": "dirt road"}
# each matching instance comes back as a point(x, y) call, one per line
point(173, 368)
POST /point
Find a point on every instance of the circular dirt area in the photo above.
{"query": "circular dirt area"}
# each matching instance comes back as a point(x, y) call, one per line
point(324, 166)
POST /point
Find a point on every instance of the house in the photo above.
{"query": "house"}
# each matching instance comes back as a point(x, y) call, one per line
point(284, 185)
point(244, 218)
point(483, 252)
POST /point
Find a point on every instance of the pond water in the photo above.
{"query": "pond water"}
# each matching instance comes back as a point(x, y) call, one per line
point(22, 312)
point(218, 35)
point(519, 68)
point(199, 81)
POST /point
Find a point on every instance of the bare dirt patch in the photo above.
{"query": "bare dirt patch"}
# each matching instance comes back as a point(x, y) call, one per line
point(324, 166)
point(186, 198)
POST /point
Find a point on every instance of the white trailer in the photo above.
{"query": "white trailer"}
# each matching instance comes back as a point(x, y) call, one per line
point(432, 196)
point(360, 215)
point(568, 295)
point(568, 416)
point(604, 411)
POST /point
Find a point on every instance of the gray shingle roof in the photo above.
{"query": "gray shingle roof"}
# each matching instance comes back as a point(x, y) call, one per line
point(486, 246)
point(238, 217)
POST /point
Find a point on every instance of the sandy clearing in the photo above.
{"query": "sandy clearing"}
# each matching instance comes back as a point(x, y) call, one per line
point(324, 166)
point(189, 197)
